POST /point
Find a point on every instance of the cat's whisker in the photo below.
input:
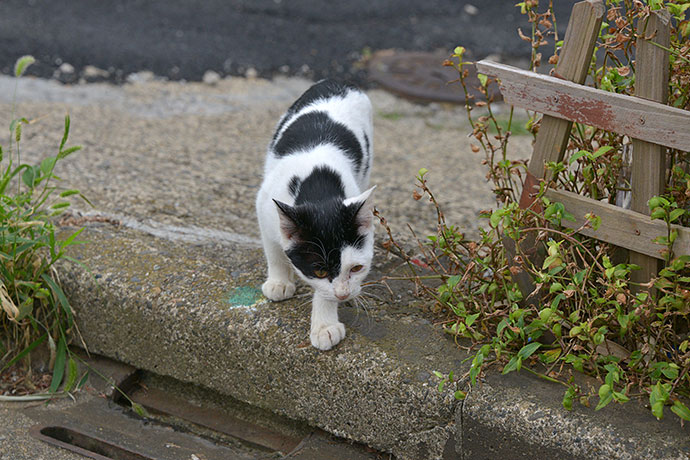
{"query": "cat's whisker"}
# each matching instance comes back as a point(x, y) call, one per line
point(373, 296)
point(363, 304)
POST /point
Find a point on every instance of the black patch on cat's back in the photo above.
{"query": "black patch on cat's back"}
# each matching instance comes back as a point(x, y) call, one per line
point(324, 89)
point(322, 184)
point(316, 128)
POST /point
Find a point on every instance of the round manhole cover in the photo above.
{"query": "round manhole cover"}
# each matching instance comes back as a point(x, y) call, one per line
point(422, 76)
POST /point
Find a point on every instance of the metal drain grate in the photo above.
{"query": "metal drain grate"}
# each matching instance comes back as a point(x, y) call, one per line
point(422, 77)
point(83, 444)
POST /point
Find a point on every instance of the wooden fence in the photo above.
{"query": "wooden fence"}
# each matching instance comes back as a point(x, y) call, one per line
point(645, 118)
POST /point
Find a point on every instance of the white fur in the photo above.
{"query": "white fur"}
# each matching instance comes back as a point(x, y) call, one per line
point(354, 111)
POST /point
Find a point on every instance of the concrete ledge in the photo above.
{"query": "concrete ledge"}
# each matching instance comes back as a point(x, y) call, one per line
point(189, 312)
point(520, 416)
point(193, 312)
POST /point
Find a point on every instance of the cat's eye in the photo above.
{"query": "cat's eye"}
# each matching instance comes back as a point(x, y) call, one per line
point(320, 273)
point(356, 268)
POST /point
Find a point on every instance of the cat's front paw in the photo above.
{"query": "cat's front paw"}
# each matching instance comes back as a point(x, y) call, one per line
point(278, 289)
point(327, 336)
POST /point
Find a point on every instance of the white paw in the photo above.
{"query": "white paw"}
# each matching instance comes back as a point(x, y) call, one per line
point(278, 289)
point(327, 336)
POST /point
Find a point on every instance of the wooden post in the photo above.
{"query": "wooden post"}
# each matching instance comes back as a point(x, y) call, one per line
point(649, 160)
point(573, 64)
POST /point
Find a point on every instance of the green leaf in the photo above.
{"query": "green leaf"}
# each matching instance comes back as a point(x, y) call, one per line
point(568, 398)
point(601, 151)
point(681, 410)
point(675, 214)
point(552, 355)
point(61, 298)
point(469, 320)
point(605, 396)
point(82, 381)
point(71, 238)
point(658, 213)
point(620, 397)
point(459, 394)
point(577, 156)
point(29, 177)
point(482, 78)
point(511, 366)
point(48, 164)
point(59, 367)
point(22, 64)
point(526, 351)
point(438, 374)
point(496, 217)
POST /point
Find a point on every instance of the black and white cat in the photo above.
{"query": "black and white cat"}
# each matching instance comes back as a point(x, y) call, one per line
point(315, 219)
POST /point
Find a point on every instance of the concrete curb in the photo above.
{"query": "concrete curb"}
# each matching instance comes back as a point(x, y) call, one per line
point(190, 312)
point(520, 416)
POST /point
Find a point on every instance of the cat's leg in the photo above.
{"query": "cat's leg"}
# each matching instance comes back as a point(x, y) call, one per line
point(280, 282)
point(326, 330)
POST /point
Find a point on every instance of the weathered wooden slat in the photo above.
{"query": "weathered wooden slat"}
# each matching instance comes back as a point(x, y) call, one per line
point(622, 227)
point(575, 57)
point(574, 60)
point(649, 160)
point(636, 117)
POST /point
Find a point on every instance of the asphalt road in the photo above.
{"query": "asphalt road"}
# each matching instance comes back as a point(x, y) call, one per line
point(182, 39)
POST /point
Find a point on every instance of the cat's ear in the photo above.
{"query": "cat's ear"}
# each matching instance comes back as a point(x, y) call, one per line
point(364, 210)
point(288, 226)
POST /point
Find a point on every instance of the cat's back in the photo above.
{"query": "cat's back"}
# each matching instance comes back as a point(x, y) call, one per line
point(329, 112)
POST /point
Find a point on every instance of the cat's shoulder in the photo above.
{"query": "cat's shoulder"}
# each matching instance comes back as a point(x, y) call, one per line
point(322, 90)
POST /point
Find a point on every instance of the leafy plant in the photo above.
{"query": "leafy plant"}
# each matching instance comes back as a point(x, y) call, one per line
point(585, 314)
point(34, 309)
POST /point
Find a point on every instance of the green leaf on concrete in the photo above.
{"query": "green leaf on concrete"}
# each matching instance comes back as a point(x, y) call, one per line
point(681, 410)
point(511, 366)
point(605, 396)
point(568, 398)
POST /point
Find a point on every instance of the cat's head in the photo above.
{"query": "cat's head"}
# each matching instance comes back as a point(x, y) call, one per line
point(330, 243)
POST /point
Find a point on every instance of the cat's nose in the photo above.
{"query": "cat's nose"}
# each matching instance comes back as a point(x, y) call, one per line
point(342, 296)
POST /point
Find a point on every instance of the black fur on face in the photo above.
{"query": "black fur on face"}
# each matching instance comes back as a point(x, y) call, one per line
point(320, 225)
point(322, 231)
